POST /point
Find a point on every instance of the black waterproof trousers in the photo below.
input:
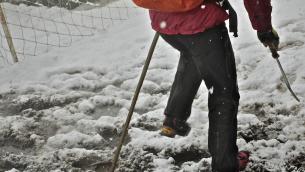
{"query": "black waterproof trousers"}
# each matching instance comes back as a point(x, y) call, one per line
point(208, 56)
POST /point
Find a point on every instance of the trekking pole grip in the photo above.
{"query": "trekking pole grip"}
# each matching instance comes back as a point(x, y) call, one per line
point(134, 100)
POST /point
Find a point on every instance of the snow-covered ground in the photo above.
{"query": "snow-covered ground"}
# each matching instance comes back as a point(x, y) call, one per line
point(63, 110)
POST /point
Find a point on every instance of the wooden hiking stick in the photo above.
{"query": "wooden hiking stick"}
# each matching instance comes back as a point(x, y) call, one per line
point(8, 35)
point(134, 101)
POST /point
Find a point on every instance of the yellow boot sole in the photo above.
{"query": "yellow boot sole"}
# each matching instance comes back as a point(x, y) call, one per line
point(167, 131)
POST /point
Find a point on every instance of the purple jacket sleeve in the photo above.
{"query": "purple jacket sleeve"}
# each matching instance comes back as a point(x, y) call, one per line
point(259, 13)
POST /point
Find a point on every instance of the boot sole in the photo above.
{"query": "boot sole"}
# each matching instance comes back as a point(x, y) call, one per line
point(170, 132)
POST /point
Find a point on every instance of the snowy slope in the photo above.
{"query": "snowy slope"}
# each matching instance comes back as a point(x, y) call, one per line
point(64, 109)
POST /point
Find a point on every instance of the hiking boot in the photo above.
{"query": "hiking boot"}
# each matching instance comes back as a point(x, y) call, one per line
point(243, 159)
point(173, 126)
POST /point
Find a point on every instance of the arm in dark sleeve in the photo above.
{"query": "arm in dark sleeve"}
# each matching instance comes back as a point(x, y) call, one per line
point(259, 13)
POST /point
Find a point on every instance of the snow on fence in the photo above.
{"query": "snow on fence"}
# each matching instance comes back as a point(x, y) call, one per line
point(36, 26)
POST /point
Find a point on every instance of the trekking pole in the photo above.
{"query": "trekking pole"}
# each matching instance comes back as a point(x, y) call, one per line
point(276, 56)
point(134, 100)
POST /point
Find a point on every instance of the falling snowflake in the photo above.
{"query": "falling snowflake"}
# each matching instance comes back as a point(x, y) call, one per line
point(163, 24)
point(211, 90)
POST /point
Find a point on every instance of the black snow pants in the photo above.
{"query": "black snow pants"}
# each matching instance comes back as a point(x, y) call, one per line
point(208, 56)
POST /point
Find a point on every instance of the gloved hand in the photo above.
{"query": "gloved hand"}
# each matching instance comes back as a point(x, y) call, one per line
point(270, 39)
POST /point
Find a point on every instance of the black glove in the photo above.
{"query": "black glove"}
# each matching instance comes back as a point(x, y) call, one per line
point(270, 39)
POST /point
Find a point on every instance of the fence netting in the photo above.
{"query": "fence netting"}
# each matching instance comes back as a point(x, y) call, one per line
point(38, 25)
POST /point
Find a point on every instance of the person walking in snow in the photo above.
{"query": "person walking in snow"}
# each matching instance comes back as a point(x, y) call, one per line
point(201, 37)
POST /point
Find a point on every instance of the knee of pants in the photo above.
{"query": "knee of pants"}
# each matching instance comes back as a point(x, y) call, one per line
point(223, 114)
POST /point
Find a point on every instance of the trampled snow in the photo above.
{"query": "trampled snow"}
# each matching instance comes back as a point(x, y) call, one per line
point(64, 109)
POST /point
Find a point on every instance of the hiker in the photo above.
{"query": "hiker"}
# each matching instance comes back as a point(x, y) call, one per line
point(201, 37)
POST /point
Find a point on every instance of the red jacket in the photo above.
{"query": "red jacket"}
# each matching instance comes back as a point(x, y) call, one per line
point(207, 16)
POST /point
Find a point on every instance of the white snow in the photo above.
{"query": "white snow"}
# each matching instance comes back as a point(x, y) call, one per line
point(73, 139)
point(12, 170)
point(74, 100)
